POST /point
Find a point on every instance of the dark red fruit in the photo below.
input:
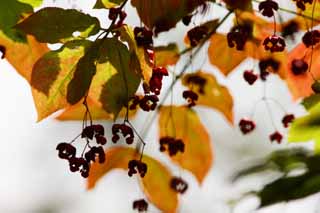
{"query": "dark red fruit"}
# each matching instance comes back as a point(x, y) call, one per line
point(95, 152)
point(178, 185)
point(246, 126)
point(100, 139)
point(191, 97)
point(126, 132)
point(299, 66)
point(287, 119)
point(136, 166)
point(149, 102)
point(88, 132)
point(143, 37)
point(250, 77)
point(311, 38)
point(274, 43)
point(66, 151)
point(265, 65)
point(140, 205)
point(174, 146)
point(268, 7)
point(81, 164)
point(301, 3)
point(238, 37)
point(276, 136)
point(156, 79)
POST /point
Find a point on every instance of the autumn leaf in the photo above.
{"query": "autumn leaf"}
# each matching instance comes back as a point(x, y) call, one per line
point(138, 56)
point(107, 4)
point(300, 85)
point(167, 55)
point(307, 128)
point(51, 75)
point(242, 5)
point(183, 123)
point(156, 183)
point(54, 25)
point(33, 3)
point(164, 14)
point(76, 112)
point(115, 81)
point(211, 94)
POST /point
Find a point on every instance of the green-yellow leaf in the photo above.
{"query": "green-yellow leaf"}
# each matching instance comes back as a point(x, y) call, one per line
point(183, 123)
point(54, 25)
point(211, 94)
point(33, 3)
point(156, 183)
point(167, 55)
point(307, 128)
point(107, 4)
point(51, 75)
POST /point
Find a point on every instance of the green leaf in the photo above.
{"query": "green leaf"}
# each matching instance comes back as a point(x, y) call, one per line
point(107, 4)
point(307, 128)
point(116, 81)
point(51, 75)
point(311, 101)
point(82, 78)
point(53, 25)
point(33, 3)
point(10, 13)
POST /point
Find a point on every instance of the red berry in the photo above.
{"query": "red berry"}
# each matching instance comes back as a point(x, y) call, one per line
point(274, 43)
point(250, 77)
point(178, 185)
point(311, 38)
point(246, 126)
point(276, 136)
point(287, 119)
point(268, 7)
point(191, 97)
point(140, 205)
point(299, 66)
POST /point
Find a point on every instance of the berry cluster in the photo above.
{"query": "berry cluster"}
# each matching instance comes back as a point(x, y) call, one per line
point(140, 205)
point(238, 37)
point(172, 145)
point(265, 65)
point(156, 79)
point(197, 34)
point(82, 164)
point(137, 166)
point(146, 103)
point(250, 77)
point(246, 126)
point(191, 97)
point(311, 38)
point(274, 43)
point(301, 3)
point(178, 185)
point(3, 51)
point(143, 37)
point(126, 132)
point(117, 15)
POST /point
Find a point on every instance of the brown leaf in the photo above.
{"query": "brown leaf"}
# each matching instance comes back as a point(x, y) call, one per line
point(183, 123)
point(213, 95)
point(156, 183)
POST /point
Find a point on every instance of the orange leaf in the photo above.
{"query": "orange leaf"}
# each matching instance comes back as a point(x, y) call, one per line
point(167, 55)
point(222, 56)
point(22, 56)
point(156, 183)
point(76, 112)
point(214, 95)
point(300, 85)
point(183, 123)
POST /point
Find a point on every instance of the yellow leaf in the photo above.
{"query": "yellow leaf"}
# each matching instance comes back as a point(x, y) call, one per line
point(156, 183)
point(22, 56)
point(183, 123)
point(212, 94)
point(167, 55)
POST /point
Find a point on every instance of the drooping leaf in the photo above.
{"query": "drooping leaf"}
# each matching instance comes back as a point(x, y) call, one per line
point(53, 25)
point(10, 13)
point(167, 55)
point(311, 101)
point(211, 94)
point(33, 3)
point(164, 14)
point(307, 128)
point(181, 122)
point(222, 56)
point(156, 183)
point(300, 85)
point(138, 56)
point(23, 55)
point(51, 75)
point(83, 74)
point(76, 112)
point(107, 3)
point(115, 81)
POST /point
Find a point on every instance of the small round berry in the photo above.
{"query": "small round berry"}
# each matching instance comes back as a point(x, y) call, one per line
point(299, 66)
point(246, 126)
point(268, 7)
point(311, 38)
point(250, 77)
point(276, 136)
point(140, 205)
point(191, 97)
point(238, 37)
point(178, 185)
point(301, 3)
point(88, 132)
point(274, 43)
point(287, 119)
point(66, 150)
